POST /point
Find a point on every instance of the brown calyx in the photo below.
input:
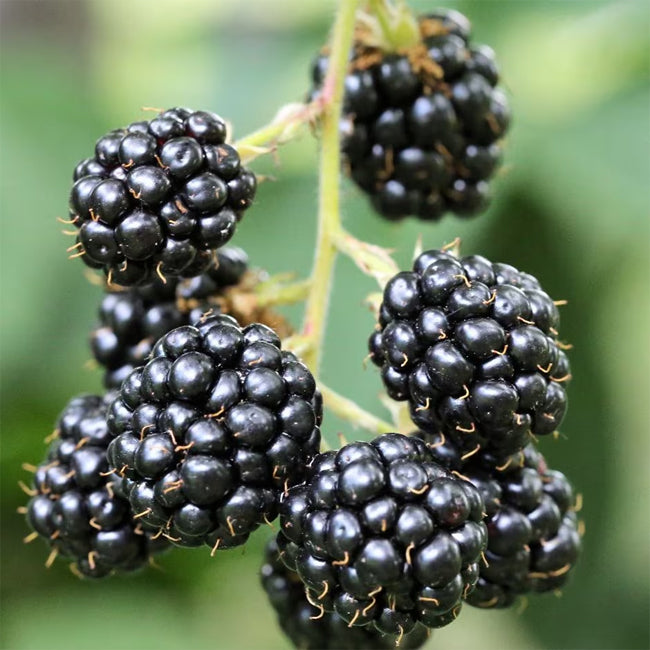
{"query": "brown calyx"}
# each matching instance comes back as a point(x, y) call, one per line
point(428, 71)
point(241, 302)
point(432, 27)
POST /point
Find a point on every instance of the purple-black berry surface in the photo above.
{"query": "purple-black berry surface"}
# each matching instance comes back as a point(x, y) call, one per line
point(79, 509)
point(384, 536)
point(159, 197)
point(212, 430)
point(422, 128)
point(473, 347)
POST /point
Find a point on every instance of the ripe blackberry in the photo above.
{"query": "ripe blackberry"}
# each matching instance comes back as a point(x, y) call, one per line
point(158, 197)
point(533, 532)
point(211, 431)
point(76, 508)
point(384, 536)
point(131, 321)
point(421, 127)
point(472, 346)
point(301, 622)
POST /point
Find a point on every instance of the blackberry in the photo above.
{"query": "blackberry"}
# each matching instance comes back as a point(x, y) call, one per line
point(384, 536)
point(421, 127)
point(77, 508)
point(158, 197)
point(533, 532)
point(211, 431)
point(300, 621)
point(131, 321)
point(472, 346)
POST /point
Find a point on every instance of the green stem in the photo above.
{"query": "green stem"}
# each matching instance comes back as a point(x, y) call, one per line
point(399, 28)
point(297, 344)
point(282, 294)
point(284, 127)
point(383, 12)
point(329, 217)
point(370, 258)
point(263, 136)
point(352, 412)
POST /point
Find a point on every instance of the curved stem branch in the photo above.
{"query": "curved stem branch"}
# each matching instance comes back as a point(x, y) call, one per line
point(285, 126)
point(272, 293)
point(370, 258)
point(353, 413)
point(329, 218)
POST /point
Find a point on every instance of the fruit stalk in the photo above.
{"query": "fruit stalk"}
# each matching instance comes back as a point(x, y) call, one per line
point(398, 27)
point(275, 293)
point(329, 217)
point(352, 412)
point(285, 126)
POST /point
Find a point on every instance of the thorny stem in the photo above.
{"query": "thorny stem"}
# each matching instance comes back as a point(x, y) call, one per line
point(352, 412)
point(329, 218)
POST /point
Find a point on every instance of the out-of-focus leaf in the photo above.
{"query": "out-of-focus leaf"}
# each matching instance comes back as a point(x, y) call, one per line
point(560, 62)
point(102, 616)
point(46, 294)
point(591, 173)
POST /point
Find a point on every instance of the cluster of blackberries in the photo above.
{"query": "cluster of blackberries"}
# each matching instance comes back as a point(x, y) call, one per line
point(384, 536)
point(421, 126)
point(210, 429)
point(212, 421)
point(159, 197)
point(472, 346)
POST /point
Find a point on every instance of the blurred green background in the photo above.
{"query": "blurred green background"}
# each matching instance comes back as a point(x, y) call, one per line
point(572, 207)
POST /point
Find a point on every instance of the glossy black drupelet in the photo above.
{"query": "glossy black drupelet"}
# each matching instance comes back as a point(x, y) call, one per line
point(77, 509)
point(473, 347)
point(384, 536)
point(301, 622)
point(533, 533)
point(534, 536)
point(131, 321)
point(212, 430)
point(159, 197)
point(421, 129)
point(231, 265)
